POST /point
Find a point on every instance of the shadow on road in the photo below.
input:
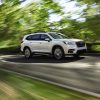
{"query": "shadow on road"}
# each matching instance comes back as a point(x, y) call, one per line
point(41, 59)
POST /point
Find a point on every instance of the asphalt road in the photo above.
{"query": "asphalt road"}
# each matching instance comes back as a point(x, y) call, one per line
point(82, 73)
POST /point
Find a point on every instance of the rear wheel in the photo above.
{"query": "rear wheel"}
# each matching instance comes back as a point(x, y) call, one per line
point(27, 53)
point(58, 53)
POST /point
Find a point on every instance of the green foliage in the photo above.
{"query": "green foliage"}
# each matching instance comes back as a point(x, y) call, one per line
point(92, 16)
point(89, 1)
point(94, 25)
point(95, 48)
point(16, 21)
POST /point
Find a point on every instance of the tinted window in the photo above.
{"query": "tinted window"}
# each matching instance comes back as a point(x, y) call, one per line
point(34, 37)
point(57, 35)
point(44, 36)
point(28, 38)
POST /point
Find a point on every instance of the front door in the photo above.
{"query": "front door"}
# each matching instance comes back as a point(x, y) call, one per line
point(45, 45)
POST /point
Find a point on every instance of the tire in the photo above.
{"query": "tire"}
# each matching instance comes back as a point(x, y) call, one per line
point(58, 53)
point(27, 53)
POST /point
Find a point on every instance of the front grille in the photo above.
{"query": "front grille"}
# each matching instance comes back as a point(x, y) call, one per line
point(80, 44)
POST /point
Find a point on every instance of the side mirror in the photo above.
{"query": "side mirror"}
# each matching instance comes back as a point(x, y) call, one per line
point(48, 39)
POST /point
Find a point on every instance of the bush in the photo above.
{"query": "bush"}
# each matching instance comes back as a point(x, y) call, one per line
point(93, 47)
point(10, 50)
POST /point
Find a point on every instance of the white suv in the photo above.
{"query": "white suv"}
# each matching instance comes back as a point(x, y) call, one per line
point(52, 43)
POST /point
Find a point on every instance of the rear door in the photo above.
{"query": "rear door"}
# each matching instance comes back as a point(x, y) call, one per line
point(34, 42)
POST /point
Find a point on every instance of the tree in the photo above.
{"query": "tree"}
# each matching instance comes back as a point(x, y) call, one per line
point(16, 21)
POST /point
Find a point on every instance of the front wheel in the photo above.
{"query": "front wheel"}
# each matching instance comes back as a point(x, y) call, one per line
point(27, 53)
point(58, 53)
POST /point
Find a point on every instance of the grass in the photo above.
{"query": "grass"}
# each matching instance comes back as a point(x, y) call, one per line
point(14, 87)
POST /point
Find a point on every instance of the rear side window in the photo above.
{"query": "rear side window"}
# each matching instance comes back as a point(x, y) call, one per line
point(33, 37)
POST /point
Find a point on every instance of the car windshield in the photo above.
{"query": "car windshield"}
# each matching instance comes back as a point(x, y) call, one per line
point(57, 35)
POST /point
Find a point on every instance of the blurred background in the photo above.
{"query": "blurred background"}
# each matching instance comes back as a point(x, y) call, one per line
point(75, 18)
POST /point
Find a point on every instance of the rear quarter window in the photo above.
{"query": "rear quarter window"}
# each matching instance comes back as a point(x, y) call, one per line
point(28, 38)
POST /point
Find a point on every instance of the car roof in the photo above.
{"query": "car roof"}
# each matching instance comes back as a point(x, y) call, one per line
point(40, 33)
point(43, 33)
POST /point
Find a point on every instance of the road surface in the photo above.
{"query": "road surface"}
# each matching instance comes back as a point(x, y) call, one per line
point(82, 73)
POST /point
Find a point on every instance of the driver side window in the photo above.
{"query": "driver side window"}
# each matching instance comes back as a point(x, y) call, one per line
point(44, 36)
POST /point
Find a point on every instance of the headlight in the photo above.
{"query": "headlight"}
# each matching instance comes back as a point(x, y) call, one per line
point(68, 43)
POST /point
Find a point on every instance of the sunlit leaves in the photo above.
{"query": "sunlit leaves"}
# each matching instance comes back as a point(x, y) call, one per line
point(15, 21)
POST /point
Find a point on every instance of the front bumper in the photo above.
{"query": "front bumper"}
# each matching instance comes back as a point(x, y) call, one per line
point(73, 51)
point(81, 51)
